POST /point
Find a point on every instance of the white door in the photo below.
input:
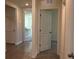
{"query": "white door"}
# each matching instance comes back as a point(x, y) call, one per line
point(10, 25)
point(45, 31)
point(10, 31)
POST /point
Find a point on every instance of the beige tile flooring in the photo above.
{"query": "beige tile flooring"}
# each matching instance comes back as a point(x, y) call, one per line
point(23, 50)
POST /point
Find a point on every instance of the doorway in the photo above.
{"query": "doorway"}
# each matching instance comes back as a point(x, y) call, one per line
point(28, 29)
point(10, 24)
point(48, 30)
point(28, 25)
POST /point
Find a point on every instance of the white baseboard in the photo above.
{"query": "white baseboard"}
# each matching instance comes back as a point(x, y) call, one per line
point(17, 43)
point(33, 56)
point(11, 42)
point(27, 40)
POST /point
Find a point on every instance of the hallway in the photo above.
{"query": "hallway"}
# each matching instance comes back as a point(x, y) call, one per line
point(23, 52)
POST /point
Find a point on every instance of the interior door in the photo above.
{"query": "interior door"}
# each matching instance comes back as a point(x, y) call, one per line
point(10, 25)
point(45, 40)
point(10, 30)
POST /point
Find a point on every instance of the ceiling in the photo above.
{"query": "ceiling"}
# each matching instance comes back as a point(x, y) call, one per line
point(21, 3)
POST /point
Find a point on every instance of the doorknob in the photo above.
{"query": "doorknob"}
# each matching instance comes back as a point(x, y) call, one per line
point(71, 55)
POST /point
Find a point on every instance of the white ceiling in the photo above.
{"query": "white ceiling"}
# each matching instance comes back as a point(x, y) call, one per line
point(21, 3)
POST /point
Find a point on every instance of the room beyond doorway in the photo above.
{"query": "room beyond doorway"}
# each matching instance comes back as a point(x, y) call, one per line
point(28, 25)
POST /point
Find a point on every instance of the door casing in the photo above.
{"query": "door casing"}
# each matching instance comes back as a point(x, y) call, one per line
point(58, 31)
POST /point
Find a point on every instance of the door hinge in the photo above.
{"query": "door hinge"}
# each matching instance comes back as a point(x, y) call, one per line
point(40, 30)
point(40, 14)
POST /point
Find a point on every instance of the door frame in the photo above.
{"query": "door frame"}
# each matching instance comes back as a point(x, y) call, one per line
point(58, 31)
point(13, 6)
point(24, 22)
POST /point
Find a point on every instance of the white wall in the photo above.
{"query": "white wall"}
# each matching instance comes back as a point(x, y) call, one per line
point(67, 37)
point(69, 28)
point(54, 4)
point(34, 28)
point(62, 32)
point(20, 19)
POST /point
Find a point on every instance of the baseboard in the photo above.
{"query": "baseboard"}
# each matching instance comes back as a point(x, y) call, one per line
point(27, 40)
point(17, 43)
point(34, 56)
point(10, 42)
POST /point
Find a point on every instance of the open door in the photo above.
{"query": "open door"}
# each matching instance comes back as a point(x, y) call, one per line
point(45, 31)
point(48, 29)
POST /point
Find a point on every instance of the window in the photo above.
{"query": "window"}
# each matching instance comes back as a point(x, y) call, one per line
point(28, 20)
